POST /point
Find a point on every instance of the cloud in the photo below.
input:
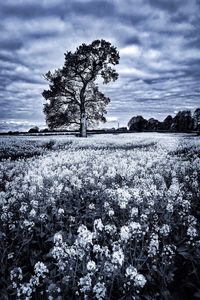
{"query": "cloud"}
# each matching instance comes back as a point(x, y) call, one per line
point(158, 41)
point(168, 5)
point(112, 119)
point(131, 50)
point(18, 125)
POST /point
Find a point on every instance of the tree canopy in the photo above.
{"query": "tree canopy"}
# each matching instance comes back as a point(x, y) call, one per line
point(73, 96)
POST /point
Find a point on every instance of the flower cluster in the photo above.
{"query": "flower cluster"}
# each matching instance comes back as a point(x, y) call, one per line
point(25, 290)
point(110, 217)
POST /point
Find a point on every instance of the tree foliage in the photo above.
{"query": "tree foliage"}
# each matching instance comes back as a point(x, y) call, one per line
point(73, 93)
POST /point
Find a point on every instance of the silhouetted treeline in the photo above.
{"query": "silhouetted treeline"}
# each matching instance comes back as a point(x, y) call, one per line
point(184, 121)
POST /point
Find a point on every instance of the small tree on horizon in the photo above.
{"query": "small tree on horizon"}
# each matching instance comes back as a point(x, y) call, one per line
point(73, 96)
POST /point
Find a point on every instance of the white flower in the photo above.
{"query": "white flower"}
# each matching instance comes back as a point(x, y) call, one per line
point(42, 217)
point(131, 272)
point(72, 219)
point(118, 257)
point(34, 203)
point(106, 251)
point(139, 281)
point(100, 290)
point(98, 225)
point(123, 204)
point(106, 204)
point(16, 274)
point(85, 236)
point(123, 197)
point(153, 245)
point(58, 253)
point(57, 239)
point(96, 248)
point(34, 281)
point(109, 268)
point(28, 224)
point(124, 233)
point(10, 255)
point(91, 266)
point(110, 228)
point(85, 283)
point(165, 230)
point(135, 227)
point(192, 232)
point(144, 217)
point(111, 212)
point(25, 289)
point(61, 211)
point(170, 207)
point(40, 269)
point(168, 250)
point(134, 211)
point(192, 220)
point(32, 213)
point(24, 207)
point(91, 206)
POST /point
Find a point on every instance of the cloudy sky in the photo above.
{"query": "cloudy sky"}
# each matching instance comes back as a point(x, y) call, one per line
point(158, 41)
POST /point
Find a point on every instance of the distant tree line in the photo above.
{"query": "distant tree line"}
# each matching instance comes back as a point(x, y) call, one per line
point(184, 121)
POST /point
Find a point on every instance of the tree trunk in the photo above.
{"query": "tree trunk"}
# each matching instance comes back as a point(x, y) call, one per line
point(83, 127)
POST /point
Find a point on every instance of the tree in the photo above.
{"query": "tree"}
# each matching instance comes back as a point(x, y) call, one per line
point(196, 118)
point(73, 96)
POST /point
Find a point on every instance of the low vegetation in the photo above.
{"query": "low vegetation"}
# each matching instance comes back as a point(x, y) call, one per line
point(108, 217)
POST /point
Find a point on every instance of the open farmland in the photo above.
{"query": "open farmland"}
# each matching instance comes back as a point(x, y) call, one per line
point(107, 217)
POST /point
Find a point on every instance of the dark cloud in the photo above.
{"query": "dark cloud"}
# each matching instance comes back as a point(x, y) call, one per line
point(158, 41)
point(8, 57)
point(97, 8)
point(26, 10)
point(33, 9)
point(180, 17)
point(168, 5)
point(132, 40)
point(13, 44)
point(23, 11)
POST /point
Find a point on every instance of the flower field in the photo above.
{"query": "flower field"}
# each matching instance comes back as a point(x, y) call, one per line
point(107, 217)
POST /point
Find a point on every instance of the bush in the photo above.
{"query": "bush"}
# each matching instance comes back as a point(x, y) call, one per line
point(34, 130)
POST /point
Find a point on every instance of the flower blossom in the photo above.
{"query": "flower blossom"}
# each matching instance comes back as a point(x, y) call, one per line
point(125, 233)
point(100, 291)
point(91, 266)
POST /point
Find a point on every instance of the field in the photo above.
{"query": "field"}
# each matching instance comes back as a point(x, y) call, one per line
point(107, 217)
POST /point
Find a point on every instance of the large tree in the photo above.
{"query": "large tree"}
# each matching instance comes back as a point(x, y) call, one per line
point(73, 96)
